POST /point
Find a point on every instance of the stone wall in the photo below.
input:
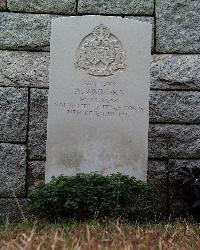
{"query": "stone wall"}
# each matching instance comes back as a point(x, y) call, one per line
point(174, 133)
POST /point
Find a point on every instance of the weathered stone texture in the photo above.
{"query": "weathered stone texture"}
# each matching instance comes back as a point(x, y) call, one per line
point(177, 26)
point(164, 140)
point(12, 170)
point(10, 209)
point(24, 31)
point(175, 107)
point(2, 4)
point(36, 174)
point(13, 114)
point(157, 178)
point(20, 68)
point(146, 20)
point(43, 6)
point(38, 123)
point(176, 205)
point(178, 72)
point(176, 141)
point(175, 72)
point(177, 31)
point(116, 7)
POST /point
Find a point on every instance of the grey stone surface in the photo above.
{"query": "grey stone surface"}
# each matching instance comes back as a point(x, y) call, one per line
point(9, 209)
point(2, 4)
point(12, 170)
point(19, 68)
point(167, 71)
point(178, 72)
point(157, 178)
point(175, 72)
point(145, 19)
point(116, 7)
point(176, 205)
point(43, 6)
point(37, 123)
point(177, 26)
point(175, 107)
point(175, 165)
point(36, 174)
point(13, 114)
point(176, 141)
point(96, 123)
point(24, 31)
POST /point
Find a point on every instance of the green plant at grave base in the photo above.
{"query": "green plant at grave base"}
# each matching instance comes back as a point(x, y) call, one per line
point(188, 189)
point(92, 196)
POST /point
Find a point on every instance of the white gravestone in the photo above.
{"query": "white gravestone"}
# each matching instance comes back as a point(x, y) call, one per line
point(99, 96)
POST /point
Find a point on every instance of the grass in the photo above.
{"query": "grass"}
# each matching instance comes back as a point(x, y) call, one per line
point(99, 235)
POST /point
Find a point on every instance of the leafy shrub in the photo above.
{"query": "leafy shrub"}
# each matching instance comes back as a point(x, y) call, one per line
point(89, 196)
point(188, 188)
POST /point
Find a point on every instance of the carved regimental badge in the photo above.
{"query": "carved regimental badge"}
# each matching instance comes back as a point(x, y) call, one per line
point(101, 53)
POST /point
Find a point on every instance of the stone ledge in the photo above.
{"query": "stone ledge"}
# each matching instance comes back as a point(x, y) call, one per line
point(66, 7)
point(142, 7)
point(177, 28)
point(38, 123)
point(12, 170)
point(13, 114)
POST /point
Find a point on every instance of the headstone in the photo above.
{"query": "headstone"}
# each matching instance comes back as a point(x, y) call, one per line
point(99, 96)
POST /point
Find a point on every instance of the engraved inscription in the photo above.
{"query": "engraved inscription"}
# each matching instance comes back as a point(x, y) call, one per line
point(101, 53)
point(106, 101)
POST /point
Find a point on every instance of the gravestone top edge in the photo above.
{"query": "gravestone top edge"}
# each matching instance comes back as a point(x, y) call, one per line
point(125, 20)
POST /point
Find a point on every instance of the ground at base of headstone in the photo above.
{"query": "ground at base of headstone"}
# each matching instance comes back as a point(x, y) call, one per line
point(99, 235)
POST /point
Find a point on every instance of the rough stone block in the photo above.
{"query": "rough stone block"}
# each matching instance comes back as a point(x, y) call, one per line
point(178, 72)
point(19, 68)
point(9, 209)
point(175, 141)
point(43, 6)
point(177, 28)
point(13, 114)
point(146, 20)
point(175, 72)
point(157, 177)
point(175, 107)
point(24, 31)
point(116, 7)
point(2, 4)
point(36, 174)
point(38, 124)
point(176, 206)
point(12, 170)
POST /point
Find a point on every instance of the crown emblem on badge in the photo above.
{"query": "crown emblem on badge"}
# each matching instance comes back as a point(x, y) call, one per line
point(101, 53)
